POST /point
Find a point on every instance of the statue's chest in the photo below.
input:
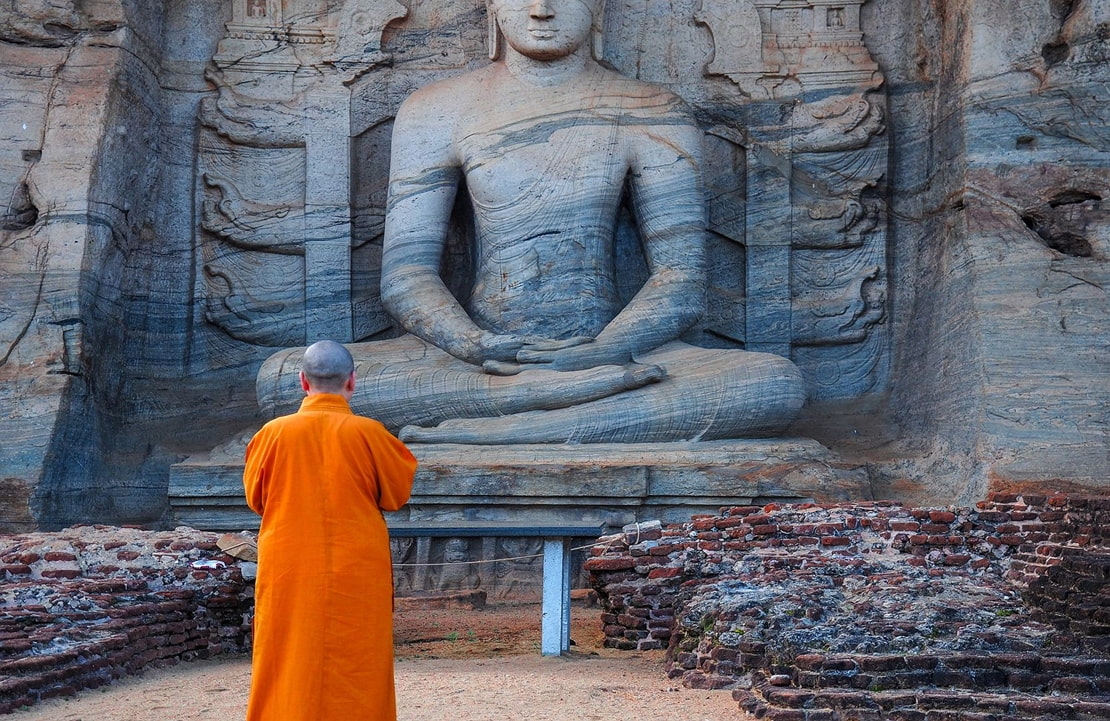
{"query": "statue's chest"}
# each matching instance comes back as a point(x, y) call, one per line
point(560, 158)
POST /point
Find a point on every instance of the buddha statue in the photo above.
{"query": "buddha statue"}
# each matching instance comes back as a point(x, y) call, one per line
point(548, 143)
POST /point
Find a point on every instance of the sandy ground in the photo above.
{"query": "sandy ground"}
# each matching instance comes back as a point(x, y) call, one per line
point(457, 664)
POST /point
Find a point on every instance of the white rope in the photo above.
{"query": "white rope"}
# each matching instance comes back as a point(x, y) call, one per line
point(490, 560)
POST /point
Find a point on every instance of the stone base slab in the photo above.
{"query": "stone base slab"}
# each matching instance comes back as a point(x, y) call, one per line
point(614, 484)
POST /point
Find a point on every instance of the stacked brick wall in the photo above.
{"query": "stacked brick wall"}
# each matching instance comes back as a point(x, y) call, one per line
point(88, 605)
point(810, 601)
point(1065, 570)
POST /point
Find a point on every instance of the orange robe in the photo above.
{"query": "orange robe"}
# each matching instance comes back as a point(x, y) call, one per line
point(323, 626)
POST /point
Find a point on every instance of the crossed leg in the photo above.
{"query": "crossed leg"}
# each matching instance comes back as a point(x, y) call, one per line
point(675, 393)
point(406, 381)
point(707, 395)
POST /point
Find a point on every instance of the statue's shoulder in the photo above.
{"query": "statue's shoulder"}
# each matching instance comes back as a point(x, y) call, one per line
point(646, 95)
point(445, 95)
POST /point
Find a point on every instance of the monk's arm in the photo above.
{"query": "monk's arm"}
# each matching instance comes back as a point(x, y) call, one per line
point(424, 177)
point(396, 468)
point(254, 473)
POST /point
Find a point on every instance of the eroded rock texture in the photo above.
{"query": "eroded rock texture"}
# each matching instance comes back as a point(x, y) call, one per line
point(907, 199)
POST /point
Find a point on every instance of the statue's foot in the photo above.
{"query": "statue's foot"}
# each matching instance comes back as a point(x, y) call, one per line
point(637, 375)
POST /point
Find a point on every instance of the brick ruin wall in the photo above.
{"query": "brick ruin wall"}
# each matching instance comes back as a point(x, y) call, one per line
point(875, 610)
point(808, 612)
point(91, 604)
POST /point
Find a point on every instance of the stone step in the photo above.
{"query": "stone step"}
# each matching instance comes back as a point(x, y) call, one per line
point(775, 703)
point(1025, 672)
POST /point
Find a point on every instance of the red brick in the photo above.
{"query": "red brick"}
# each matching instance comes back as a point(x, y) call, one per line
point(609, 564)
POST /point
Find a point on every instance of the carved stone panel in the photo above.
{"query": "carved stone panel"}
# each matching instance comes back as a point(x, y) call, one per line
point(804, 99)
point(274, 245)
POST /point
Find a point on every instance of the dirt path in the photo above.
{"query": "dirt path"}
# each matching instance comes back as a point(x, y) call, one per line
point(457, 664)
point(527, 688)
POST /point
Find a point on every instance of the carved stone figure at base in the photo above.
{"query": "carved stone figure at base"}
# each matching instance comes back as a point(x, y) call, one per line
point(547, 143)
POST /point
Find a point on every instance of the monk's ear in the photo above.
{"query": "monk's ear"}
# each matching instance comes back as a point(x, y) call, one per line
point(304, 382)
point(349, 386)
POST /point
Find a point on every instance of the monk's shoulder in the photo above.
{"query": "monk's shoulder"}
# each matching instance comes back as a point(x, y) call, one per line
point(368, 425)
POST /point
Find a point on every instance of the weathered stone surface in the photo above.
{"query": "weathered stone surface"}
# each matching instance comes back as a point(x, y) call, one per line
point(96, 603)
point(905, 198)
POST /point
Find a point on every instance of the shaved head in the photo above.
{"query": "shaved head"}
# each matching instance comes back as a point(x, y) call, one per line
point(327, 365)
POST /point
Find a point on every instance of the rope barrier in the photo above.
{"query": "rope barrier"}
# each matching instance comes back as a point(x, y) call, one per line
point(491, 560)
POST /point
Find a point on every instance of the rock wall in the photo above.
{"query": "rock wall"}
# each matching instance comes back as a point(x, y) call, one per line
point(1001, 254)
point(985, 350)
point(97, 259)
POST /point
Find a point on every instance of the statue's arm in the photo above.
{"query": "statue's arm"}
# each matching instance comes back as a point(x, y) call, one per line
point(668, 202)
point(423, 179)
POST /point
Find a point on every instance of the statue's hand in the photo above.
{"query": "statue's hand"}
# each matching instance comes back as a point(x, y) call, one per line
point(497, 367)
point(494, 347)
point(572, 354)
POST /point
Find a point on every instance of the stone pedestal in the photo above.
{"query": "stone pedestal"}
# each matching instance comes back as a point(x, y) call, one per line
point(611, 484)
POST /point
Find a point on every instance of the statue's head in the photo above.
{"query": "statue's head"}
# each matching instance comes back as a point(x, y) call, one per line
point(545, 29)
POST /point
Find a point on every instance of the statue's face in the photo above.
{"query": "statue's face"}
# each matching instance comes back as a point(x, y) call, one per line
point(544, 29)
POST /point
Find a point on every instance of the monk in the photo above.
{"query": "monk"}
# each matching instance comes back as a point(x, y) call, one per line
point(320, 478)
point(542, 345)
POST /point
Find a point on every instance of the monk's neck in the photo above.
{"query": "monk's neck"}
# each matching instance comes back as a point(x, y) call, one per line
point(546, 73)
